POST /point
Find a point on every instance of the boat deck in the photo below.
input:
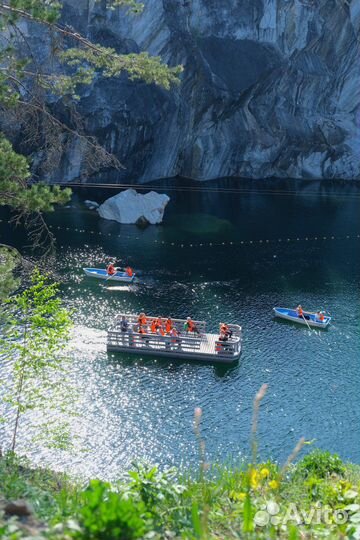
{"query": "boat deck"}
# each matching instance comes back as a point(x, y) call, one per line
point(204, 346)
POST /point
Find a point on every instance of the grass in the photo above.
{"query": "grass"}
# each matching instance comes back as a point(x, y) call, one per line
point(317, 497)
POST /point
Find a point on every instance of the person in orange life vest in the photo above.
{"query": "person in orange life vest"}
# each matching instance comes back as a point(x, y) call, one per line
point(300, 311)
point(224, 329)
point(153, 326)
point(158, 323)
point(319, 316)
point(142, 319)
point(168, 325)
point(129, 271)
point(111, 270)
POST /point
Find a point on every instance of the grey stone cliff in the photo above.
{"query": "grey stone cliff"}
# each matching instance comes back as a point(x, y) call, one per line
point(270, 88)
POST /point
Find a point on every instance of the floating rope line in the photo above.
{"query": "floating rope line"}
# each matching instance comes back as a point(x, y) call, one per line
point(273, 241)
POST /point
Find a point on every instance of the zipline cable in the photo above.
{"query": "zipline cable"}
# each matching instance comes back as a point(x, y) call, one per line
point(221, 190)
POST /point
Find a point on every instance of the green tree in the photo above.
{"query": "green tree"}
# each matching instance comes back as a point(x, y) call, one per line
point(25, 88)
point(34, 338)
point(9, 259)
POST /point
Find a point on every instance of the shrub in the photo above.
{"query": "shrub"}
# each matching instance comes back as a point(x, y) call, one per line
point(320, 464)
point(106, 515)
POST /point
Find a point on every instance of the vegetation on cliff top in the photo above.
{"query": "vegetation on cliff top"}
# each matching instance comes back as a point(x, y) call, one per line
point(317, 498)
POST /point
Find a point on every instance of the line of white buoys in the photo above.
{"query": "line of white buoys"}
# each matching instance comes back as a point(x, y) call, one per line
point(318, 238)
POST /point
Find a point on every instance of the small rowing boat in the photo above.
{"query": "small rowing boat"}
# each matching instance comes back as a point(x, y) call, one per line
point(100, 273)
point(308, 319)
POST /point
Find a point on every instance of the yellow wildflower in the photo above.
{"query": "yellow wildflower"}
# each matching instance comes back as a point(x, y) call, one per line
point(274, 484)
point(237, 495)
point(254, 478)
point(264, 473)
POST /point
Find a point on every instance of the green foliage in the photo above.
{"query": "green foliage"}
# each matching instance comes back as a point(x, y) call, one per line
point(14, 189)
point(149, 503)
point(34, 340)
point(24, 87)
point(320, 464)
point(107, 515)
point(9, 260)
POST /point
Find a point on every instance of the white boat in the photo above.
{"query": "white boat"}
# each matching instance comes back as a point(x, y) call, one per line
point(310, 318)
point(100, 273)
point(201, 346)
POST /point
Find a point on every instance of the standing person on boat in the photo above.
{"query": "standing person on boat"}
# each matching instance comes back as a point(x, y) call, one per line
point(158, 325)
point(153, 326)
point(190, 326)
point(124, 324)
point(111, 270)
point(142, 321)
point(168, 325)
point(129, 271)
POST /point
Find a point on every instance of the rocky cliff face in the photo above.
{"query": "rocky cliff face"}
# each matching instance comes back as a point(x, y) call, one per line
point(270, 88)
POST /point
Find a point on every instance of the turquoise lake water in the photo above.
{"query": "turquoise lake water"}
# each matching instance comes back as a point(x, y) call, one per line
point(195, 264)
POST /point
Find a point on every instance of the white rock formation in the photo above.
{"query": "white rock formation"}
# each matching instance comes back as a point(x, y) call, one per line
point(130, 207)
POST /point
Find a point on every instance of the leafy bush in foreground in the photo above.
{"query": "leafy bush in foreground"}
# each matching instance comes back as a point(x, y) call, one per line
point(106, 515)
point(320, 464)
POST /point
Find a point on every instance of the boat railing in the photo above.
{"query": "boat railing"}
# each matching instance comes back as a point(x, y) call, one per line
point(153, 341)
point(178, 324)
point(230, 347)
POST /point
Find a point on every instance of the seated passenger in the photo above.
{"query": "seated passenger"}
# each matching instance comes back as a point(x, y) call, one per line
point(129, 271)
point(111, 270)
point(300, 311)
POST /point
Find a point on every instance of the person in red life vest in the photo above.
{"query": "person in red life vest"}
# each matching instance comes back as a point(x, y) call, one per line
point(129, 271)
point(168, 325)
point(319, 316)
point(111, 270)
point(142, 319)
point(300, 311)
point(224, 329)
point(153, 326)
point(190, 326)
point(158, 324)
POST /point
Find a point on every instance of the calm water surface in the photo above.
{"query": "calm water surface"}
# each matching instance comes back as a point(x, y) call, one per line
point(142, 408)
